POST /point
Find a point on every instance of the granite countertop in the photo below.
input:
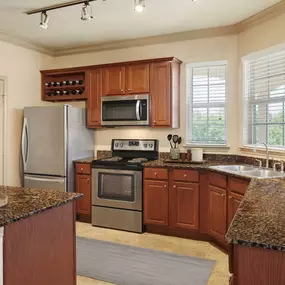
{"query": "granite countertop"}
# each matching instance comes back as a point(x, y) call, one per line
point(85, 160)
point(23, 203)
point(260, 219)
point(160, 163)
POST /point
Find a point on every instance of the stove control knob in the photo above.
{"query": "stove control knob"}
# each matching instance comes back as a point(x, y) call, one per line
point(145, 145)
point(151, 145)
point(121, 144)
point(116, 144)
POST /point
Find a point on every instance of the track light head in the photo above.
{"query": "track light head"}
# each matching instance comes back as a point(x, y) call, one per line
point(44, 20)
point(139, 5)
point(86, 12)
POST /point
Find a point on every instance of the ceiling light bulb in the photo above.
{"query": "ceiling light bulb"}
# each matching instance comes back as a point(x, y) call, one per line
point(44, 20)
point(139, 6)
point(86, 12)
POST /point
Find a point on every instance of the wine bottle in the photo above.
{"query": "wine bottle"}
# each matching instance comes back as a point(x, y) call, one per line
point(80, 82)
point(51, 83)
point(62, 83)
point(65, 92)
point(58, 83)
point(73, 92)
point(57, 92)
point(50, 93)
point(61, 92)
point(55, 84)
point(68, 82)
point(74, 82)
point(47, 84)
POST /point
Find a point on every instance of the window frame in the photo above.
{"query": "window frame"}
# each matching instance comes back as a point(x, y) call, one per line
point(245, 114)
point(189, 106)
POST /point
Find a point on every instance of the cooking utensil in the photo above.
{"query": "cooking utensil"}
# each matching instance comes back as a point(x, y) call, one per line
point(175, 140)
point(179, 140)
point(169, 137)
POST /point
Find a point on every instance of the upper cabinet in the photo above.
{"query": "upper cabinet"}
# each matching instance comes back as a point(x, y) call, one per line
point(164, 91)
point(126, 79)
point(160, 78)
point(114, 80)
point(94, 78)
point(138, 79)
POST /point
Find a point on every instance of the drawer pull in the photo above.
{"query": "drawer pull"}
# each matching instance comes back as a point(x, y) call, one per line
point(174, 186)
point(185, 175)
point(81, 169)
point(155, 173)
point(223, 195)
point(165, 186)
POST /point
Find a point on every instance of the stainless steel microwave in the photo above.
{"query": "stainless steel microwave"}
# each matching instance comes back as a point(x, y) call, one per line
point(130, 110)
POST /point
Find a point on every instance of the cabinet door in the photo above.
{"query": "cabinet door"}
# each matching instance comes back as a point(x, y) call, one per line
point(234, 201)
point(218, 213)
point(160, 78)
point(83, 185)
point(94, 85)
point(184, 205)
point(138, 79)
point(114, 80)
point(156, 202)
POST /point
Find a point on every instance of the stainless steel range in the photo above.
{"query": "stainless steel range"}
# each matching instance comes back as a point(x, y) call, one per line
point(117, 185)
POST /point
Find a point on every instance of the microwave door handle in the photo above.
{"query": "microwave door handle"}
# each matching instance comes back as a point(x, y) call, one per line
point(138, 110)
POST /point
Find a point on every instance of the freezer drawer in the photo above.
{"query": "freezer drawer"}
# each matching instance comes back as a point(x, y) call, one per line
point(45, 182)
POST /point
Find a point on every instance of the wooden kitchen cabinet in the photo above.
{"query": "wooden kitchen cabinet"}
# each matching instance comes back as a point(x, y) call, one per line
point(138, 79)
point(156, 202)
point(234, 201)
point(184, 205)
point(114, 80)
point(218, 212)
point(94, 86)
point(83, 185)
point(164, 91)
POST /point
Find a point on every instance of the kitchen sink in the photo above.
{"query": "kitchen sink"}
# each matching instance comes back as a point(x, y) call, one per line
point(236, 168)
point(249, 170)
point(265, 173)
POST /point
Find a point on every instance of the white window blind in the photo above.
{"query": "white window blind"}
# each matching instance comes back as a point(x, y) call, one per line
point(264, 99)
point(207, 104)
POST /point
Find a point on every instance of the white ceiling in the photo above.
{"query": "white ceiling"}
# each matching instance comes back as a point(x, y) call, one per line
point(116, 19)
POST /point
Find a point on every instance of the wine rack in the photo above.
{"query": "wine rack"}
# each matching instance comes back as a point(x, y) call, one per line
point(69, 86)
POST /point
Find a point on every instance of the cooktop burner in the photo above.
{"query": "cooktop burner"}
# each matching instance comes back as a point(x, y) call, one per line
point(138, 160)
point(112, 159)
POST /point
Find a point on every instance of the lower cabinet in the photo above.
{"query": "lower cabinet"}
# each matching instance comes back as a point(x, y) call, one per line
point(156, 202)
point(184, 205)
point(234, 201)
point(218, 212)
point(83, 186)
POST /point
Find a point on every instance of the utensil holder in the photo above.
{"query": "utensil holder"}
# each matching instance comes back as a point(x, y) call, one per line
point(175, 153)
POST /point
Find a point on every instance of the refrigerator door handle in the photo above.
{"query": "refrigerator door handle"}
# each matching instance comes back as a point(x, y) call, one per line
point(25, 138)
point(54, 180)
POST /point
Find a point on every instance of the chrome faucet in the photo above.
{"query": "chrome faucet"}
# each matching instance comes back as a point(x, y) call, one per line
point(267, 155)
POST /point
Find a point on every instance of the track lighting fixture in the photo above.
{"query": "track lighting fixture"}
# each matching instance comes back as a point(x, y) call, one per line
point(86, 12)
point(139, 5)
point(44, 20)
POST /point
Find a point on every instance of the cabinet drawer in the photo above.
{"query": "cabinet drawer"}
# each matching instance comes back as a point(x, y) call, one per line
point(185, 175)
point(218, 180)
point(238, 185)
point(156, 173)
point(84, 168)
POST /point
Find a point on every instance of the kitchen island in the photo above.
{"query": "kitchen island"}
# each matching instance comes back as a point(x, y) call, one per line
point(38, 240)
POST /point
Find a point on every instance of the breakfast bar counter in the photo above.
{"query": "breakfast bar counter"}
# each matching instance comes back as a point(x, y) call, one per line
point(38, 237)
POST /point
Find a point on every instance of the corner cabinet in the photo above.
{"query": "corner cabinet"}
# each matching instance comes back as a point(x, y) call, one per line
point(165, 95)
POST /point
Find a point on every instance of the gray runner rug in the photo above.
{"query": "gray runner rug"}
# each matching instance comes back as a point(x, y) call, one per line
point(128, 265)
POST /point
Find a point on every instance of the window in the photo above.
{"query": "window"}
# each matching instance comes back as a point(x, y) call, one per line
point(206, 108)
point(264, 99)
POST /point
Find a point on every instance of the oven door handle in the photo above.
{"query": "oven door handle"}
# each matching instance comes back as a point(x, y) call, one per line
point(138, 110)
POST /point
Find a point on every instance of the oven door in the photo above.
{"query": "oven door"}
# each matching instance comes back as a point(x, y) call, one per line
point(117, 188)
point(125, 110)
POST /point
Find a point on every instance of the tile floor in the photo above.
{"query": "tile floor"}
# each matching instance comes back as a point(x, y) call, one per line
point(219, 276)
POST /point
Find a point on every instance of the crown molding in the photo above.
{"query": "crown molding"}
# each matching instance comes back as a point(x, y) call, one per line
point(154, 40)
point(261, 17)
point(4, 37)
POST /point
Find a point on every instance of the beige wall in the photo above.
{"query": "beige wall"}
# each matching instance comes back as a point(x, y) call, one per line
point(212, 49)
point(21, 68)
point(260, 37)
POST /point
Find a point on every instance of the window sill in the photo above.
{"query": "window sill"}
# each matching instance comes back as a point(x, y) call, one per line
point(208, 147)
point(261, 150)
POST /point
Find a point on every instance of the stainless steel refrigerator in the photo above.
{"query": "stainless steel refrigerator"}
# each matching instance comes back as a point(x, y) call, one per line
point(52, 138)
